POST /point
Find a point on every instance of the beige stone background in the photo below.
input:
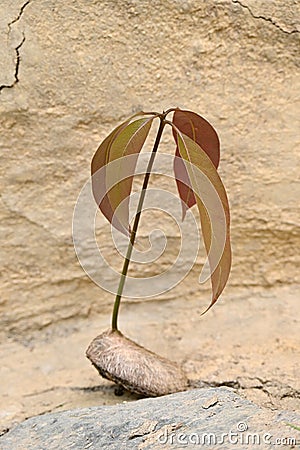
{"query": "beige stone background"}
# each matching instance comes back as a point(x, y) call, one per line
point(70, 72)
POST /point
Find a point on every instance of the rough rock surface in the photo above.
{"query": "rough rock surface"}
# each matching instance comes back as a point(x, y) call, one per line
point(211, 417)
point(252, 345)
point(70, 72)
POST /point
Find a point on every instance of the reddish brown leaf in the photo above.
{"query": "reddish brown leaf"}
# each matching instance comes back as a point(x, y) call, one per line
point(200, 131)
point(183, 182)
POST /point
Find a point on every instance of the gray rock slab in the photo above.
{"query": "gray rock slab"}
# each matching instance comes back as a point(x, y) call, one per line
point(216, 418)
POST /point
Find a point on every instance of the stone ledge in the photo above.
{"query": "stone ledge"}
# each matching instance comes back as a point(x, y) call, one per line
point(201, 417)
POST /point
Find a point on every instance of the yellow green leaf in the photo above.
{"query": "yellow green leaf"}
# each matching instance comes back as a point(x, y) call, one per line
point(113, 167)
point(213, 208)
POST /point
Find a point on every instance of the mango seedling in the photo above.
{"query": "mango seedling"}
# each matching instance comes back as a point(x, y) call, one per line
point(196, 160)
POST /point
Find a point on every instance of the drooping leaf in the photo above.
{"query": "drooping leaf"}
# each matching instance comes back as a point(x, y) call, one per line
point(202, 132)
point(112, 171)
point(212, 203)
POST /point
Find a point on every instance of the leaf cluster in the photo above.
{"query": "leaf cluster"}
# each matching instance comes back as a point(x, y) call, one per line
point(196, 160)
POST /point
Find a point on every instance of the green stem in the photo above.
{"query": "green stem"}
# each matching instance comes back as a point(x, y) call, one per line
point(115, 313)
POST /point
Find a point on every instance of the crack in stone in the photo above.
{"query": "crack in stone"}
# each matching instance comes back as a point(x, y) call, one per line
point(17, 67)
point(48, 411)
point(4, 431)
point(266, 19)
point(147, 428)
point(19, 16)
point(263, 385)
point(17, 49)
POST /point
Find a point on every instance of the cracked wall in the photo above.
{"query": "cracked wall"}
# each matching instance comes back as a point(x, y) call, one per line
point(11, 43)
point(70, 71)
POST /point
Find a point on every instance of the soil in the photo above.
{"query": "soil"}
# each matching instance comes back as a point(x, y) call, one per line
point(251, 344)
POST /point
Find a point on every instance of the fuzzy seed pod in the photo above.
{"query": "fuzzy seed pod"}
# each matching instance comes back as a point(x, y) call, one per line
point(137, 369)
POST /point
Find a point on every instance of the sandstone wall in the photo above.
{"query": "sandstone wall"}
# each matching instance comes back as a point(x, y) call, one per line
point(70, 71)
